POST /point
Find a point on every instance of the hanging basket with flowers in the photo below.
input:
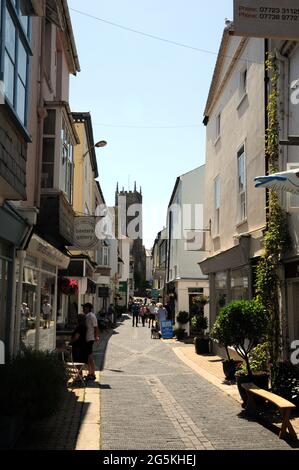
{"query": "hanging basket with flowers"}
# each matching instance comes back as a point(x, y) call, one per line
point(68, 286)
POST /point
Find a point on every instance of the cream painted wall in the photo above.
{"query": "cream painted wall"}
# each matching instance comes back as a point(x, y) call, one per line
point(242, 122)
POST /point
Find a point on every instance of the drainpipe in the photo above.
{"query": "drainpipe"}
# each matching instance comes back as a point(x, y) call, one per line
point(285, 65)
point(41, 115)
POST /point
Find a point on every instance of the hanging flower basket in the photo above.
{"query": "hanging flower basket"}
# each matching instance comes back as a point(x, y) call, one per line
point(68, 286)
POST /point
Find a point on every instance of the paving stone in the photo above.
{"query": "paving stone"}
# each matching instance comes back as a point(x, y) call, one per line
point(157, 402)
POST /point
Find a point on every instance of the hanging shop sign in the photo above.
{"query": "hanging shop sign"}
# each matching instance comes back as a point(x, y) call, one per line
point(84, 233)
point(267, 19)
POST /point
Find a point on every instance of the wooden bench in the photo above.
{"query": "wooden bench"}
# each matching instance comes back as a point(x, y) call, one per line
point(284, 406)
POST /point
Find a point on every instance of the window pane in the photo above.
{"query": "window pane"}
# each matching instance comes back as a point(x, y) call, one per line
point(22, 66)
point(10, 36)
point(48, 150)
point(24, 20)
point(50, 122)
point(21, 101)
point(9, 71)
point(47, 175)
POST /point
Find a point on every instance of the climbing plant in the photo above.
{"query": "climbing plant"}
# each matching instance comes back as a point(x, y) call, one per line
point(276, 238)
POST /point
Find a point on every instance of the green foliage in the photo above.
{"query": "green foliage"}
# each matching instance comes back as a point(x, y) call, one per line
point(259, 359)
point(199, 322)
point(32, 385)
point(276, 237)
point(241, 324)
point(183, 317)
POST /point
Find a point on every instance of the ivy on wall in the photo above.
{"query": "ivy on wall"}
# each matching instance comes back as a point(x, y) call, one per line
point(276, 237)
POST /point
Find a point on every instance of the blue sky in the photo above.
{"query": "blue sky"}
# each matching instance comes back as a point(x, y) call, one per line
point(131, 80)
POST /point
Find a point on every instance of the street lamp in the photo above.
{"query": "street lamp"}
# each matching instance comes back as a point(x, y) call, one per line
point(100, 144)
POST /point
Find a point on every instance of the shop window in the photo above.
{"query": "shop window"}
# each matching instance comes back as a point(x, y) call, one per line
point(239, 284)
point(220, 290)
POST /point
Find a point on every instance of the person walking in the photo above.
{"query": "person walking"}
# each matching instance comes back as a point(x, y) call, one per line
point(143, 312)
point(161, 313)
point(47, 311)
point(152, 313)
point(92, 335)
point(135, 314)
point(78, 341)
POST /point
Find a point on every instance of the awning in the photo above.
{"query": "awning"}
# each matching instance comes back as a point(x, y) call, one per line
point(230, 259)
point(42, 249)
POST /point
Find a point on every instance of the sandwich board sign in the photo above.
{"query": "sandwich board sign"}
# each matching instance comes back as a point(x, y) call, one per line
point(167, 329)
point(267, 19)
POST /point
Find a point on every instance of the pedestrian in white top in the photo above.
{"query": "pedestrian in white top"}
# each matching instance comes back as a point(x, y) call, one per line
point(161, 313)
point(92, 335)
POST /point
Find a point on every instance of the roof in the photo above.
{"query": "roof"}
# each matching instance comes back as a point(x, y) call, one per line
point(57, 12)
point(100, 191)
point(85, 118)
point(222, 55)
point(177, 182)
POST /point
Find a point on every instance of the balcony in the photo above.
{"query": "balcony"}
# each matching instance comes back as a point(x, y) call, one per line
point(56, 219)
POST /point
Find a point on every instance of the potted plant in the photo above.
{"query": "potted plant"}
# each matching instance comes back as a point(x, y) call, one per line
point(244, 324)
point(179, 333)
point(259, 359)
point(222, 335)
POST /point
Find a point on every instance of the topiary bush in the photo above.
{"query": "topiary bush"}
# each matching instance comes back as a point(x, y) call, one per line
point(183, 317)
point(32, 385)
point(242, 324)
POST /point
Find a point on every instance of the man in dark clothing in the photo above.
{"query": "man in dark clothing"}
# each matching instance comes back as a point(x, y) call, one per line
point(135, 313)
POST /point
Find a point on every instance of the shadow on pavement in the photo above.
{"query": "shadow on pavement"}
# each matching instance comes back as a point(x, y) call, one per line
point(268, 420)
point(60, 431)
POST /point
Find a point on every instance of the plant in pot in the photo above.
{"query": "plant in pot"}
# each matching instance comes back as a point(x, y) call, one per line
point(201, 341)
point(221, 334)
point(244, 324)
point(259, 359)
point(182, 318)
point(179, 333)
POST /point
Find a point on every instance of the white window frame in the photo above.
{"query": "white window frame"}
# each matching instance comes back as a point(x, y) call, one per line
point(242, 217)
point(291, 208)
point(217, 206)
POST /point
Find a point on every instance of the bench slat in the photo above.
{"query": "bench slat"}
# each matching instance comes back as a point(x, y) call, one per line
point(276, 399)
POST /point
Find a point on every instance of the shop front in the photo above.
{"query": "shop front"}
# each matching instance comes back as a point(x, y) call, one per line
point(37, 294)
point(14, 232)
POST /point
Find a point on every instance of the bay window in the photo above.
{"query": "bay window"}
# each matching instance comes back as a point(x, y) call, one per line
point(14, 61)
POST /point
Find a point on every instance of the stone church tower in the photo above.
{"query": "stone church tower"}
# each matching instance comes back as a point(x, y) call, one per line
point(127, 199)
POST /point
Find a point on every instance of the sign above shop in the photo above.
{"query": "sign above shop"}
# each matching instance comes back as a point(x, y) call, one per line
point(42, 249)
point(84, 233)
point(267, 19)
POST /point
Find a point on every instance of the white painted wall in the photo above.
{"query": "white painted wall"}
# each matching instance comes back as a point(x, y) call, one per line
point(190, 199)
point(242, 122)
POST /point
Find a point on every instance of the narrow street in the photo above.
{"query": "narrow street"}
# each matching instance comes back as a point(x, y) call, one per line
point(152, 400)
